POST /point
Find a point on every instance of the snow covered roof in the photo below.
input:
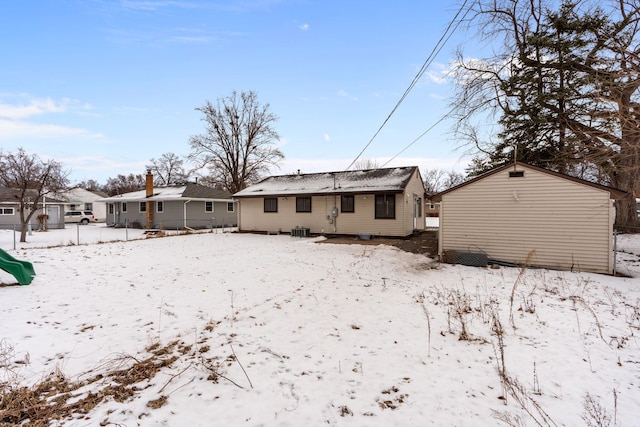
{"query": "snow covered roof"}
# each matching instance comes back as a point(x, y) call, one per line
point(189, 191)
point(360, 181)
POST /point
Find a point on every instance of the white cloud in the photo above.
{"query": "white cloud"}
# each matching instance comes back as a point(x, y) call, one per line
point(439, 73)
point(21, 128)
point(100, 167)
point(14, 117)
point(436, 77)
point(304, 27)
point(291, 165)
point(345, 94)
point(33, 108)
point(327, 137)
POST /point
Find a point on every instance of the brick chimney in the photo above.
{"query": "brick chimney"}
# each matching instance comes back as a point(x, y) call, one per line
point(149, 193)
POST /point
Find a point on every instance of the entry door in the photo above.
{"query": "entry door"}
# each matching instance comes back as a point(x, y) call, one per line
point(417, 211)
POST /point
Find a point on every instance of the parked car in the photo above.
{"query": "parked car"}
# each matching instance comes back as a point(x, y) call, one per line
point(82, 217)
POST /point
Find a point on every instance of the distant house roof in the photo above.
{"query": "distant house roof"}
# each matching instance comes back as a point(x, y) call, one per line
point(361, 181)
point(77, 194)
point(614, 193)
point(188, 191)
point(82, 189)
point(10, 195)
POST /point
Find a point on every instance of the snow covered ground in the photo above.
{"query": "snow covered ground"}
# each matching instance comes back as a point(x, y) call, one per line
point(262, 330)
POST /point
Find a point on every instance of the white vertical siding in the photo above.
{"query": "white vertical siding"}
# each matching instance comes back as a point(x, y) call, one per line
point(563, 224)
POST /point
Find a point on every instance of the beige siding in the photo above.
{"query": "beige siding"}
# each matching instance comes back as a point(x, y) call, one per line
point(253, 218)
point(561, 223)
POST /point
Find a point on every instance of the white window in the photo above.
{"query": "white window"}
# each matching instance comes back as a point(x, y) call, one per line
point(7, 211)
point(124, 207)
point(230, 206)
point(208, 207)
point(159, 206)
point(143, 206)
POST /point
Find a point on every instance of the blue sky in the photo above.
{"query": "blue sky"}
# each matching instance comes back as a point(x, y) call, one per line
point(103, 86)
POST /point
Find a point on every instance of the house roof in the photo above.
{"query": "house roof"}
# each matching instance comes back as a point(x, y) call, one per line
point(10, 195)
point(614, 193)
point(188, 191)
point(80, 194)
point(361, 181)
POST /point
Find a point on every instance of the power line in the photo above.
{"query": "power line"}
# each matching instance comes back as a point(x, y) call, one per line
point(444, 116)
point(437, 48)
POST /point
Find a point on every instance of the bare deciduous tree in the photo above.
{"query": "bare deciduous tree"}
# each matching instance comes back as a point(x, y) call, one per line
point(365, 164)
point(90, 185)
point(168, 170)
point(29, 180)
point(124, 184)
point(436, 180)
point(238, 145)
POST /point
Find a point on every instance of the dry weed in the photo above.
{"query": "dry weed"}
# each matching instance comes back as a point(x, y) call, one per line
point(56, 398)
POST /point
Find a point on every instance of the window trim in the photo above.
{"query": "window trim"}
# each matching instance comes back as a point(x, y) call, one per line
point(272, 201)
point(301, 205)
point(232, 205)
point(3, 211)
point(350, 209)
point(160, 206)
point(386, 196)
point(142, 207)
point(206, 206)
point(124, 207)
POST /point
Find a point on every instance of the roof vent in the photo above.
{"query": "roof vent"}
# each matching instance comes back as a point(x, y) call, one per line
point(516, 174)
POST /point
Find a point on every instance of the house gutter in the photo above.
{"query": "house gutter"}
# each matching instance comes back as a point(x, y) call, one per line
point(184, 214)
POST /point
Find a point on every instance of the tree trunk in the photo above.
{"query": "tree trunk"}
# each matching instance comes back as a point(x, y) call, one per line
point(626, 208)
point(626, 215)
point(23, 232)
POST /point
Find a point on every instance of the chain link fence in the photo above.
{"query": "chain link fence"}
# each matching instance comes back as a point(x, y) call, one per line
point(78, 234)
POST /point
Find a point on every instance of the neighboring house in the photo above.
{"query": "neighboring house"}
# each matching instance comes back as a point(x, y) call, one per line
point(431, 208)
point(524, 215)
point(172, 207)
point(377, 202)
point(79, 199)
point(10, 211)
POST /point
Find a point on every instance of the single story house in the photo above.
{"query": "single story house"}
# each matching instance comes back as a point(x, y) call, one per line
point(520, 214)
point(10, 212)
point(80, 199)
point(188, 206)
point(376, 202)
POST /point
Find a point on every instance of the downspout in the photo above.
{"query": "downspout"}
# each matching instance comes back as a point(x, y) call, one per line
point(149, 193)
point(238, 215)
point(184, 215)
point(334, 214)
point(440, 210)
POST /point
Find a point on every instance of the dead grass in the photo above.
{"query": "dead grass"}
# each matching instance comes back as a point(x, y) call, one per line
point(57, 398)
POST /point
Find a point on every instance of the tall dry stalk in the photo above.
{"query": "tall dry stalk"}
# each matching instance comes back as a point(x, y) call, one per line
point(526, 264)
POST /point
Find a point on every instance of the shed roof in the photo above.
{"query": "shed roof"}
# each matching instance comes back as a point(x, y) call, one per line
point(614, 193)
point(188, 191)
point(360, 181)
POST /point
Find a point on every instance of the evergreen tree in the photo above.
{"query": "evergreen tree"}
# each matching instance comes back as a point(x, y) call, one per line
point(564, 90)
